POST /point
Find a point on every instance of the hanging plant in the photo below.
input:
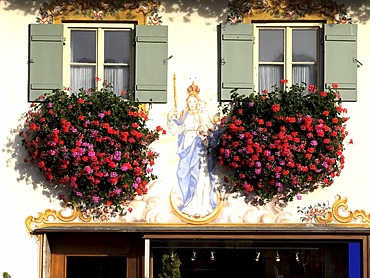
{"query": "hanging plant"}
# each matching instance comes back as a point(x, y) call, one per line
point(94, 143)
point(170, 266)
point(283, 143)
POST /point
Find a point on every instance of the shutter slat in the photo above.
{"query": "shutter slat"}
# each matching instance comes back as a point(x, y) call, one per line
point(46, 38)
point(237, 37)
point(151, 39)
point(239, 85)
point(340, 38)
point(153, 87)
point(44, 86)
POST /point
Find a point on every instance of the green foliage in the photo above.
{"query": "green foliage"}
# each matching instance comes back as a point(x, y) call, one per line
point(170, 266)
point(6, 275)
point(283, 143)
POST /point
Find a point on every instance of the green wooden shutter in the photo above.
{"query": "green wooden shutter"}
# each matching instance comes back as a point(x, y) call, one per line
point(45, 65)
point(151, 63)
point(235, 59)
point(340, 54)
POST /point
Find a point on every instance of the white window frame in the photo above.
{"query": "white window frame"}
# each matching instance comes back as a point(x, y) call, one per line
point(100, 28)
point(287, 27)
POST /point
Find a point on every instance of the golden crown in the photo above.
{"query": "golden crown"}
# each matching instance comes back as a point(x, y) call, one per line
point(193, 89)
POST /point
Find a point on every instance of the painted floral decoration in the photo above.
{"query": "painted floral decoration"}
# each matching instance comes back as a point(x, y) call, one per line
point(310, 213)
point(94, 144)
point(280, 144)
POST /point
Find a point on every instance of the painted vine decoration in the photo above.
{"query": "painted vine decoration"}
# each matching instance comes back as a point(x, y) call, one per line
point(97, 10)
point(287, 9)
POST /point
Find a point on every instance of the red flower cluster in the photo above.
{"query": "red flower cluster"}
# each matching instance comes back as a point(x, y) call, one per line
point(95, 144)
point(282, 144)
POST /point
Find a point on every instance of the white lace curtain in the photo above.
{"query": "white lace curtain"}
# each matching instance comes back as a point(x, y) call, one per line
point(270, 75)
point(84, 77)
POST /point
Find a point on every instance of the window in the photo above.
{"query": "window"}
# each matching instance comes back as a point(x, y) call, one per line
point(101, 50)
point(128, 56)
point(292, 257)
point(287, 52)
point(253, 57)
point(94, 255)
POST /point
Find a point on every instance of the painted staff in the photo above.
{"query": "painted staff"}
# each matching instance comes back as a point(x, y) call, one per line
point(174, 91)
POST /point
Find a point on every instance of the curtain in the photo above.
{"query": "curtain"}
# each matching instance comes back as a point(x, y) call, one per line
point(82, 77)
point(118, 77)
point(269, 75)
point(304, 73)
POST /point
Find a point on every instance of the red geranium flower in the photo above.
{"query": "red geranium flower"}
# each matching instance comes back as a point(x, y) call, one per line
point(67, 139)
point(293, 144)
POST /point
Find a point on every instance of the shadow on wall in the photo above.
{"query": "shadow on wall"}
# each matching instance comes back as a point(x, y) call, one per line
point(27, 173)
point(359, 10)
point(205, 8)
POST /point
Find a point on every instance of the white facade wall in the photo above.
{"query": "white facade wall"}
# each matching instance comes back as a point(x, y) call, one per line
point(193, 45)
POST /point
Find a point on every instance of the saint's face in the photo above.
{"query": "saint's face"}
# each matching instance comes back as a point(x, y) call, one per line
point(192, 103)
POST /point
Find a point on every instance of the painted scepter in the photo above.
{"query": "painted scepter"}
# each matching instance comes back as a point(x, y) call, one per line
point(174, 91)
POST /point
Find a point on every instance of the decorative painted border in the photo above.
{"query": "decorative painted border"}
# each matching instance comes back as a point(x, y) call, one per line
point(243, 10)
point(98, 10)
point(71, 217)
point(340, 213)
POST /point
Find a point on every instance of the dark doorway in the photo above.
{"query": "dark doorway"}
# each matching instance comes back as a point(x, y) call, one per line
point(96, 267)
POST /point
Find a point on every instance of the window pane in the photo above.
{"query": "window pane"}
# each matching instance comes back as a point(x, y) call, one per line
point(96, 267)
point(82, 77)
point(118, 77)
point(269, 75)
point(271, 45)
point(305, 73)
point(116, 47)
point(298, 259)
point(305, 45)
point(83, 46)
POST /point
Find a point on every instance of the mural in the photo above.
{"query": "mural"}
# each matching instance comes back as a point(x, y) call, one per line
point(195, 171)
point(193, 194)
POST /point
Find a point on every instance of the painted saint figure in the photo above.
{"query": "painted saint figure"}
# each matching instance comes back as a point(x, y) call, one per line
point(195, 171)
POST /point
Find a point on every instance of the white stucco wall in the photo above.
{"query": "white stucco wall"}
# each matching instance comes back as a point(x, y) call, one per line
point(18, 197)
point(193, 44)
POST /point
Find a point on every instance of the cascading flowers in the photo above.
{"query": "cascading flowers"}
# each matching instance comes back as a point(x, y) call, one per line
point(93, 143)
point(280, 144)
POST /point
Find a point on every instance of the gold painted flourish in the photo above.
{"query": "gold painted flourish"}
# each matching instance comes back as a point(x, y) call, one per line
point(71, 216)
point(53, 216)
point(341, 214)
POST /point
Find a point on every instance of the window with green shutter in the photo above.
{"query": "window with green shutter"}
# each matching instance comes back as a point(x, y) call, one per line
point(255, 57)
point(129, 57)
